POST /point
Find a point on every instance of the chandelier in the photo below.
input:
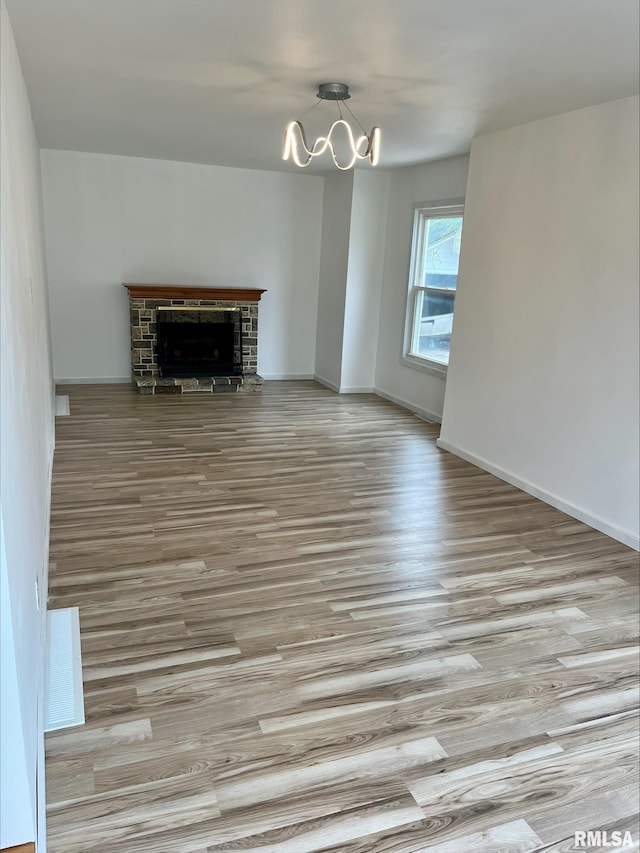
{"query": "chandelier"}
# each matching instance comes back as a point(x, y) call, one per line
point(361, 146)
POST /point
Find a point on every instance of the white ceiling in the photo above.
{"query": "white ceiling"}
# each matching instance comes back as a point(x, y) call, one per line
point(215, 81)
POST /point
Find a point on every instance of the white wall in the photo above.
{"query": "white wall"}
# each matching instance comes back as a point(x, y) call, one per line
point(26, 442)
point(543, 377)
point(334, 260)
point(368, 224)
point(125, 219)
point(17, 800)
point(441, 180)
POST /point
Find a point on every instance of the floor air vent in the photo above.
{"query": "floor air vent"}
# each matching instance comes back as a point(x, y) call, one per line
point(64, 700)
point(62, 405)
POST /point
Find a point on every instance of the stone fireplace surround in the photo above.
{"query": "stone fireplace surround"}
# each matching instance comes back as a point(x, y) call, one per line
point(145, 299)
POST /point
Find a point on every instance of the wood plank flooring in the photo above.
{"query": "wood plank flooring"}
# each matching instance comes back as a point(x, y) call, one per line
point(305, 629)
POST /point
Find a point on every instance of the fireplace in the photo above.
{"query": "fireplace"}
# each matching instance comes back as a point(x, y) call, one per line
point(190, 339)
point(207, 342)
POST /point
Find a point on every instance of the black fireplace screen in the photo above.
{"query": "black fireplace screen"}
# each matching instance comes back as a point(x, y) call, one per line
point(199, 342)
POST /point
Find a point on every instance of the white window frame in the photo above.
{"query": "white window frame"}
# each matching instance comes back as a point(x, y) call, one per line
point(421, 213)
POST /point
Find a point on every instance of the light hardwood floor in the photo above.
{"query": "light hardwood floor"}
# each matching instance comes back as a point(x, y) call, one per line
point(305, 628)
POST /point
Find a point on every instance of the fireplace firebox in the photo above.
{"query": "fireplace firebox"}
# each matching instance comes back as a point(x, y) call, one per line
point(199, 342)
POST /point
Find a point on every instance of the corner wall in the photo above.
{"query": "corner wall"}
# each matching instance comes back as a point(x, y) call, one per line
point(116, 219)
point(26, 449)
point(543, 378)
point(367, 228)
point(415, 389)
point(332, 290)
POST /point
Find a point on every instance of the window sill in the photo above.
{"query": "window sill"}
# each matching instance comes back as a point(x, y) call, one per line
point(426, 366)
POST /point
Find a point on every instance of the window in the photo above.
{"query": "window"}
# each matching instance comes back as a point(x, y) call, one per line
point(433, 277)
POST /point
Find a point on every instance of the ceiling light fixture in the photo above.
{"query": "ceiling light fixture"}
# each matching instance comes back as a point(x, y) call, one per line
point(361, 148)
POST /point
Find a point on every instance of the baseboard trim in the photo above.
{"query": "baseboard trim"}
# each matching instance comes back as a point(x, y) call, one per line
point(286, 377)
point(327, 383)
point(343, 389)
point(624, 536)
point(425, 414)
point(94, 380)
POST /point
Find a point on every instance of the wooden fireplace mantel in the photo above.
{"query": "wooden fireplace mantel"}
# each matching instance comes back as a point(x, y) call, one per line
point(180, 291)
